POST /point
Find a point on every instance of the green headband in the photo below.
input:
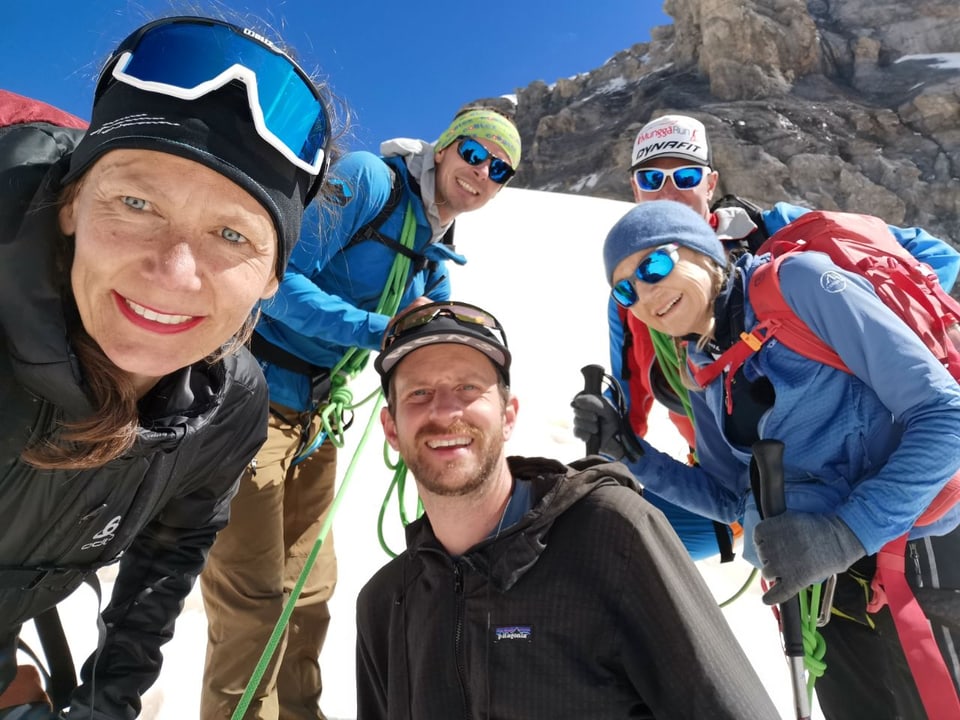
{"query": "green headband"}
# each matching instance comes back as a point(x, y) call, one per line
point(484, 125)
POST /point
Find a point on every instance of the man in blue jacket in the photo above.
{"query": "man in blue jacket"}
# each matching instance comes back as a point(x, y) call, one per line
point(403, 203)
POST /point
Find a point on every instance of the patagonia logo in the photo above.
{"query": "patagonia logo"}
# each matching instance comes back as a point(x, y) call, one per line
point(514, 632)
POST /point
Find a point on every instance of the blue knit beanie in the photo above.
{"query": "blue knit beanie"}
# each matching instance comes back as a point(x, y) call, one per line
point(659, 222)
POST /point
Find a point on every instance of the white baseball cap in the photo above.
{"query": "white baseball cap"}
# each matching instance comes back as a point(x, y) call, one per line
point(676, 136)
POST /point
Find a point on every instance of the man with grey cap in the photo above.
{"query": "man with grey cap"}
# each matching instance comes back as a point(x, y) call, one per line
point(518, 594)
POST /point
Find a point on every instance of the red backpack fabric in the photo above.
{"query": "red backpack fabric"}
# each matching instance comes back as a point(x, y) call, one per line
point(861, 244)
point(16, 109)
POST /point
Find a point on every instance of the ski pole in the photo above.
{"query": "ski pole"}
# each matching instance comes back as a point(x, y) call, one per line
point(766, 475)
point(593, 383)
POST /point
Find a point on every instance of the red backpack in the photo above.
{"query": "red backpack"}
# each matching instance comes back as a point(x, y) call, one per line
point(864, 245)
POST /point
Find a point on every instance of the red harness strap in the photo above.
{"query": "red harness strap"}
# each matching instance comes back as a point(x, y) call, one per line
point(889, 586)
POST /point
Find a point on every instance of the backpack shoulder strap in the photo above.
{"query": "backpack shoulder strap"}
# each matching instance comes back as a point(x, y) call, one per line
point(769, 305)
point(371, 230)
point(775, 318)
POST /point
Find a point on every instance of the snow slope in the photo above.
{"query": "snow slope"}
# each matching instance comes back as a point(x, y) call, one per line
point(535, 262)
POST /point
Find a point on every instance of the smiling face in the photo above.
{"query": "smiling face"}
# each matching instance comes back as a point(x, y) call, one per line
point(698, 199)
point(449, 419)
point(461, 187)
point(170, 258)
point(679, 304)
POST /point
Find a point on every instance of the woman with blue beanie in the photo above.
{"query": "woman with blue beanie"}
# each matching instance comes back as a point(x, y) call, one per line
point(866, 451)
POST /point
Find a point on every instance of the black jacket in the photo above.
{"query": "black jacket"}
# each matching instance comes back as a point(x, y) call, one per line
point(589, 607)
point(159, 506)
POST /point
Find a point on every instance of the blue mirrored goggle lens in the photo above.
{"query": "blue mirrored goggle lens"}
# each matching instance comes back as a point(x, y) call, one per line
point(685, 178)
point(624, 293)
point(654, 268)
point(473, 153)
point(185, 54)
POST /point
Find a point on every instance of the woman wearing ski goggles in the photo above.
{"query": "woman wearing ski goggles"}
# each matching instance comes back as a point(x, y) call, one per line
point(187, 77)
point(135, 257)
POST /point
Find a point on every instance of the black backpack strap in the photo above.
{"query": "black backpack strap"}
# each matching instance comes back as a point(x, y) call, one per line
point(371, 231)
point(263, 349)
point(61, 674)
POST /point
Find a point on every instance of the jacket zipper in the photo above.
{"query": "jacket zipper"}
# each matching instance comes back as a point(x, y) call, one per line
point(458, 637)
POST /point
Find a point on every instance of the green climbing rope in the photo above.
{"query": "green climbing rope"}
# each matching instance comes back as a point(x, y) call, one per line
point(333, 415)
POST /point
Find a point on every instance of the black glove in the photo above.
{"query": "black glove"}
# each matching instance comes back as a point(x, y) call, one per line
point(594, 416)
point(799, 549)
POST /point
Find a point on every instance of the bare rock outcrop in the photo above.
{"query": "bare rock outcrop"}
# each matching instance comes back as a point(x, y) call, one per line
point(845, 104)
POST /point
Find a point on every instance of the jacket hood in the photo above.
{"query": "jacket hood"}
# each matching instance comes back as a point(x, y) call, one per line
point(418, 157)
point(555, 488)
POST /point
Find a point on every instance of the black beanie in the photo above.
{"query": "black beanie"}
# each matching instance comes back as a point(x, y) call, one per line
point(215, 130)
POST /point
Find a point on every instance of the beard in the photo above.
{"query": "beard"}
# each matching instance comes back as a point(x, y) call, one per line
point(462, 476)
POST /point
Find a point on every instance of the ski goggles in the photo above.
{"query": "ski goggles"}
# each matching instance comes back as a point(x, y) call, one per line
point(651, 270)
point(469, 316)
point(187, 58)
point(474, 153)
point(684, 178)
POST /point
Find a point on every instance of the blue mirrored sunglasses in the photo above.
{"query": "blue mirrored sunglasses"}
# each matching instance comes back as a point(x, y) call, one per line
point(474, 153)
point(684, 178)
point(188, 57)
point(652, 269)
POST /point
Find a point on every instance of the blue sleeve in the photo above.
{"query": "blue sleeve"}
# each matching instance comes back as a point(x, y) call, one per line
point(936, 253)
point(780, 215)
point(880, 350)
point(299, 302)
point(690, 487)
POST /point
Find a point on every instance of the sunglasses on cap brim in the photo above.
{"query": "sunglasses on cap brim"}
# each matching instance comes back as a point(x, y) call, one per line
point(651, 270)
point(684, 178)
point(472, 152)
point(463, 313)
point(187, 58)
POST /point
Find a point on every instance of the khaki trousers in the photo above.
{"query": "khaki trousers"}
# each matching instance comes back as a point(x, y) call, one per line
point(253, 566)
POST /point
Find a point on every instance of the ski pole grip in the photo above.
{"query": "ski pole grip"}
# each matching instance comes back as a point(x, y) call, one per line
point(768, 455)
point(768, 459)
point(593, 384)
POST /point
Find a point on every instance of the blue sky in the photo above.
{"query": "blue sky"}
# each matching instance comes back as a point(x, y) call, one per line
point(403, 68)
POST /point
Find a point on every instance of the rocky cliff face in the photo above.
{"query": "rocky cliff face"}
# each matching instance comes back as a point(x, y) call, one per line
point(809, 101)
